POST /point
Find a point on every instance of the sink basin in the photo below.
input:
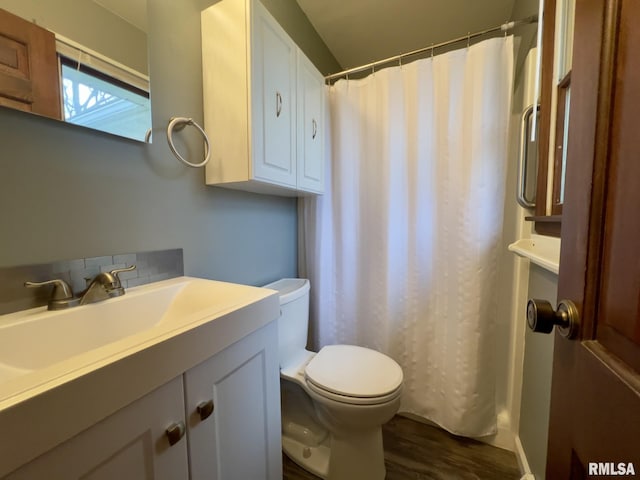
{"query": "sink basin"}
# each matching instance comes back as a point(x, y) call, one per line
point(37, 338)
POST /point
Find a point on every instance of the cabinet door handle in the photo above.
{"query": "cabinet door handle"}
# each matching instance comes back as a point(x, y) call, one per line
point(278, 104)
point(175, 432)
point(205, 409)
point(315, 129)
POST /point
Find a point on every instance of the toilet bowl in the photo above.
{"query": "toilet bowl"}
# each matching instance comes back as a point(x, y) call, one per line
point(334, 402)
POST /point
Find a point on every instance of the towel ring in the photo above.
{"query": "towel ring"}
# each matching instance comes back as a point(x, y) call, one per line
point(178, 123)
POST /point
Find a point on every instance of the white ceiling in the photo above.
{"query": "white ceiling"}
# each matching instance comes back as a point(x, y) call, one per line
point(362, 31)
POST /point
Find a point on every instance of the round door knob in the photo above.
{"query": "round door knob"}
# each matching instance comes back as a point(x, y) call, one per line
point(541, 317)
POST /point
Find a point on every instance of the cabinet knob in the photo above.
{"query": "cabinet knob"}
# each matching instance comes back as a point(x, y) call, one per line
point(175, 432)
point(205, 409)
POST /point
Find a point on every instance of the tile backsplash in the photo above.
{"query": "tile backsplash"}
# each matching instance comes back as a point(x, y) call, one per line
point(151, 267)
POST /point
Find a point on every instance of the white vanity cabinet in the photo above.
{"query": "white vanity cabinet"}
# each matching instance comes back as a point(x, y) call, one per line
point(238, 439)
point(263, 103)
point(241, 438)
point(131, 443)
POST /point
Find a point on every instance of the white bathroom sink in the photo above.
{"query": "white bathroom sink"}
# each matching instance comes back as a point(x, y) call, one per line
point(38, 340)
point(98, 358)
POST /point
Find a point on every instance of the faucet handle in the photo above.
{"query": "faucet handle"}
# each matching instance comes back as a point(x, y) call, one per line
point(62, 295)
point(61, 289)
point(117, 271)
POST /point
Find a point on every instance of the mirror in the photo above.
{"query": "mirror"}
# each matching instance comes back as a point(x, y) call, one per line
point(555, 110)
point(80, 61)
point(564, 54)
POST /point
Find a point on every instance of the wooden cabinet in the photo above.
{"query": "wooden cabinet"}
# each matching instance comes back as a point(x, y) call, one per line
point(263, 103)
point(29, 78)
point(238, 439)
point(557, 52)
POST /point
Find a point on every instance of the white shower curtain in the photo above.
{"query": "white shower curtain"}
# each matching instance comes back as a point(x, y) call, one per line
point(401, 250)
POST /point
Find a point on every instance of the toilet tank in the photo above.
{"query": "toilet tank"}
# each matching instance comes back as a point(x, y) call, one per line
point(293, 323)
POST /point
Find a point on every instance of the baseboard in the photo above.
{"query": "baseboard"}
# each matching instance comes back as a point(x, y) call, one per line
point(504, 438)
point(523, 463)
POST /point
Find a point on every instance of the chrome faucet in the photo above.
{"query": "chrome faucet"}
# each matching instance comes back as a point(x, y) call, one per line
point(104, 285)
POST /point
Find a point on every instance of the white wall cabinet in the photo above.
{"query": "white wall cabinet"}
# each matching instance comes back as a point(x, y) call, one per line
point(263, 103)
point(273, 84)
point(310, 126)
point(238, 439)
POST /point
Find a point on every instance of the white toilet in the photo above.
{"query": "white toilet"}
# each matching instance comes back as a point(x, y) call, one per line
point(334, 402)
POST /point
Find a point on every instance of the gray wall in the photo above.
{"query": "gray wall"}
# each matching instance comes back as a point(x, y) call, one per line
point(527, 33)
point(295, 22)
point(89, 24)
point(536, 384)
point(68, 192)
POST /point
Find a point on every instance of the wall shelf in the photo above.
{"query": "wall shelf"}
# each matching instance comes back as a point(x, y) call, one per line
point(541, 250)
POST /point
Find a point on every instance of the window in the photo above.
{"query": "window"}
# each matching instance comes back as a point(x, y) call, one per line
point(102, 94)
point(93, 99)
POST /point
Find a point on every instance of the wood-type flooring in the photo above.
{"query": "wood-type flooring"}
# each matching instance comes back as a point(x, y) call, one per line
point(418, 451)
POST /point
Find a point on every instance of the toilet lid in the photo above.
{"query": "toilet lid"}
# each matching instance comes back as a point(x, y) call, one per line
point(354, 371)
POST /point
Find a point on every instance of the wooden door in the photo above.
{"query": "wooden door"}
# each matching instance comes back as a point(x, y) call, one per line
point(130, 444)
point(29, 76)
point(595, 401)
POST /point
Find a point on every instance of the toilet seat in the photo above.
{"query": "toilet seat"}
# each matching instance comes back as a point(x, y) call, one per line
point(353, 400)
point(354, 375)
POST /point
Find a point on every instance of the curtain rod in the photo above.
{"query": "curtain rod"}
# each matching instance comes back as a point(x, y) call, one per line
point(504, 28)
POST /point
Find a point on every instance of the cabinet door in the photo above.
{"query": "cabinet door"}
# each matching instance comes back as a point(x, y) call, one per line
point(240, 440)
point(131, 443)
point(273, 97)
point(29, 77)
point(310, 123)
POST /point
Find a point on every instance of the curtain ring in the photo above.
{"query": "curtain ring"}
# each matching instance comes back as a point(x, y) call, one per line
point(432, 47)
point(468, 39)
point(400, 62)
